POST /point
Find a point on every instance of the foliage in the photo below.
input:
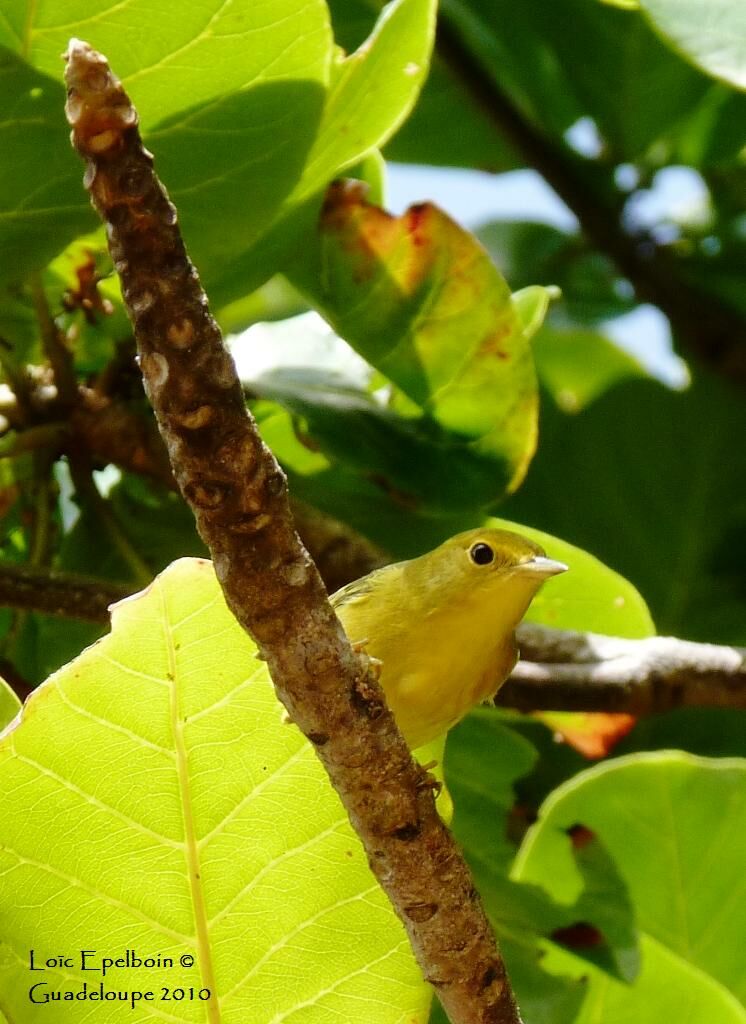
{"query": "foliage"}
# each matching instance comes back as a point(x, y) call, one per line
point(414, 415)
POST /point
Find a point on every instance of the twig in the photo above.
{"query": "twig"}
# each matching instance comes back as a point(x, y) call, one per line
point(46, 435)
point(711, 330)
point(39, 546)
point(60, 594)
point(58, 354)
point(123, 433)
point(239, 497)
point(564, 671)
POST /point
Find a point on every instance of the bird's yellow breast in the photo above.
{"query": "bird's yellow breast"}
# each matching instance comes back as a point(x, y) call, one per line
point(436, 663)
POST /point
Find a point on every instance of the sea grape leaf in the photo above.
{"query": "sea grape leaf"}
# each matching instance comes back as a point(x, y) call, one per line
point(446, 126)
point(591, 597)
point(326, 387)
point(652, 483)
point(153, 798)
point(229, 98)
point(418, 298)
point(675, 825)
point(232, 100)
point(576, 366)
point(484, 759)
point(209, 51)
point(709, 33)
point(42, 203)
point(372, 91)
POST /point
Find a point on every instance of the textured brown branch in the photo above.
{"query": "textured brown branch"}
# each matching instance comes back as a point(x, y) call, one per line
point(112, 430)
point(59, 594)
point(565, 671)
point(239, 498)
point(708, 328)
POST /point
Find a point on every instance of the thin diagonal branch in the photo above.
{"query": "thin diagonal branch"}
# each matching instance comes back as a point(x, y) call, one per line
point(239, 497)
point(708, 328)
point(59, 356)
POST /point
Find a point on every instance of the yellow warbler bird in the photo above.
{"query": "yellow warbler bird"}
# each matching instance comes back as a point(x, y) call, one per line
point(443, 625)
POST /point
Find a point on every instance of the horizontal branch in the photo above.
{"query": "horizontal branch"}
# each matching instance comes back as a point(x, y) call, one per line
point(559, 670)
point(565, 671)
point(60, 594)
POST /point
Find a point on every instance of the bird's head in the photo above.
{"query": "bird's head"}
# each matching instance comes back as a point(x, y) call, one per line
point(488, 568)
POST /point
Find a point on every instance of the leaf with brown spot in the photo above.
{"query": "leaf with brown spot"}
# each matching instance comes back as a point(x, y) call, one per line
point(419, 298)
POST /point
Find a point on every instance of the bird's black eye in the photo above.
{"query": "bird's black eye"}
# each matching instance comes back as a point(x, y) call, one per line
point(481, 554)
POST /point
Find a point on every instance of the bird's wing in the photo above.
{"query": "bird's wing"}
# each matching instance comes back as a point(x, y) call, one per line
point(358, 590)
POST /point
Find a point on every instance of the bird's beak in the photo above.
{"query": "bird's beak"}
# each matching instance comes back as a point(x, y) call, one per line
point(541, 566)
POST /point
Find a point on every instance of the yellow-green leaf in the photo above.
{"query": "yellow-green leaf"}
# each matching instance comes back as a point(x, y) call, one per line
point(154, 800)
point(419, 298)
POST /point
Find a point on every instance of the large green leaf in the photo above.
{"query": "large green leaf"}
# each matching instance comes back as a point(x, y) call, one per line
point(153, 522)
point(676, 827)
point(590, 597)
point(418, 297)
point(529, 252)
point(312, 373)
point(187, 62)
point(652, 482)
point(154, 800)
point(483, 761)
point(710, 33)
point(372, 91)
point(230, 98)
point(233, 101)
point(448, 129)
point(419, 465)
point(576, 366)
point(42, 203)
